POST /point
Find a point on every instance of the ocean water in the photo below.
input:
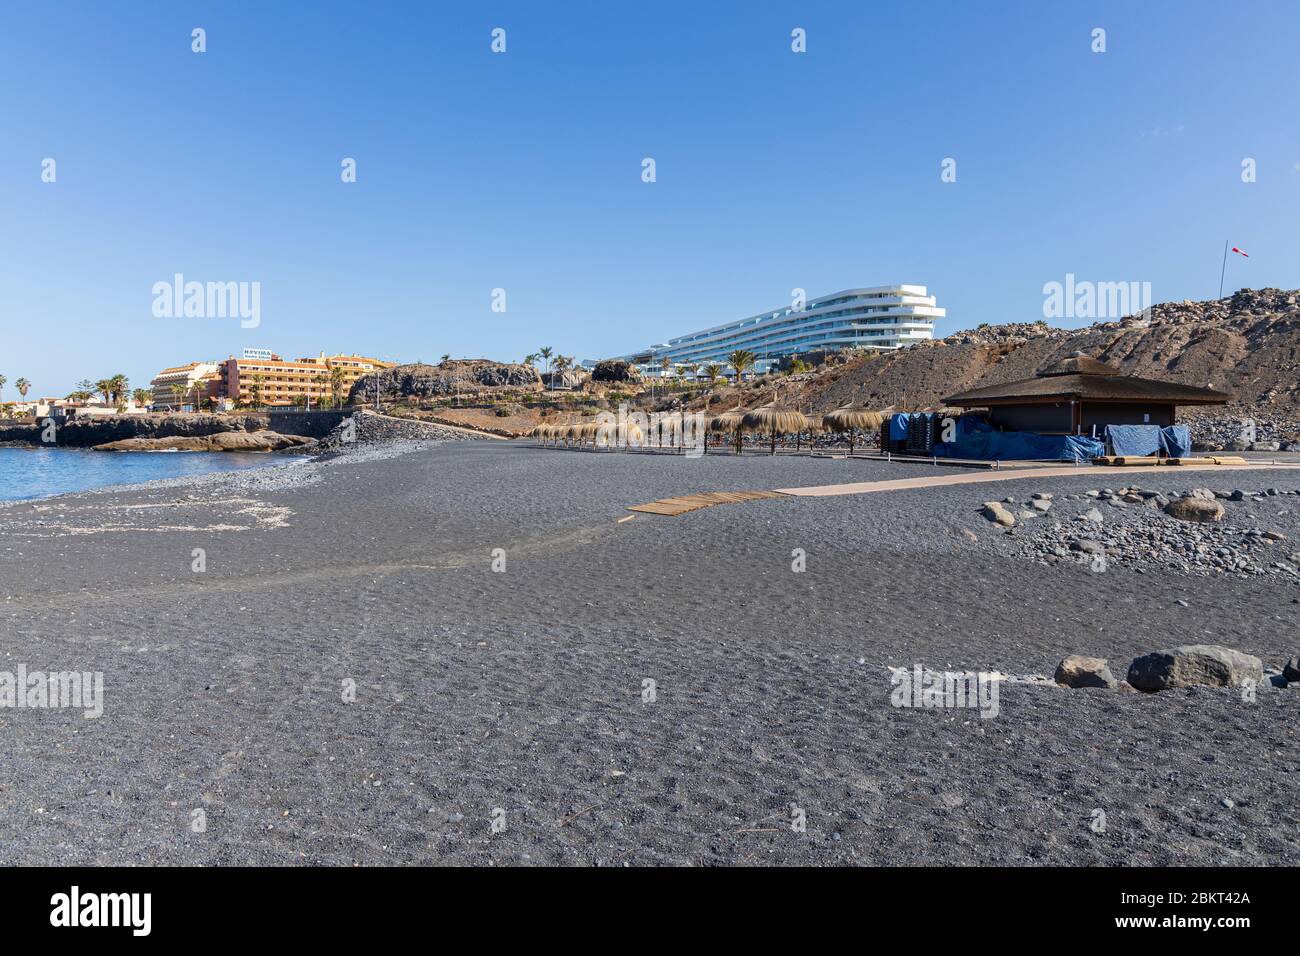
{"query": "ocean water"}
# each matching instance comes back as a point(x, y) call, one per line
point(41, 472)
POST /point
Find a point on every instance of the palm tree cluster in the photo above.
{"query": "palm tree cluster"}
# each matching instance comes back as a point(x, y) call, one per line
point(114, 390)
point(554, 362)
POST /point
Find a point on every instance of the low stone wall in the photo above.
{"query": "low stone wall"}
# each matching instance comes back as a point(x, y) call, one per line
point(307, 424)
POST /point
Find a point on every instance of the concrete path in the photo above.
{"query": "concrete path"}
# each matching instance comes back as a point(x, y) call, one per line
point(1101, 474)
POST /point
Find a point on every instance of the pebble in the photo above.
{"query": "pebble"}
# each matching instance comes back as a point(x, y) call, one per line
point(1147, 539)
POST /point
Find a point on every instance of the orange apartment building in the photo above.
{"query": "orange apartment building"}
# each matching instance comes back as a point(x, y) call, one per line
point(273, 381)
point(185, 386)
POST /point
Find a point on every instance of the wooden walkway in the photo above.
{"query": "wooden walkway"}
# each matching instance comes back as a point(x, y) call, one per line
point(685, 503)
point(1010, 474)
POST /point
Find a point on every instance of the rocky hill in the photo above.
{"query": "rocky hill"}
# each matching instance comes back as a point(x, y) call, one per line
point(463, 376)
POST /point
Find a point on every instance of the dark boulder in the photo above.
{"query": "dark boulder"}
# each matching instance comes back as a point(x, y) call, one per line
point(615, 371)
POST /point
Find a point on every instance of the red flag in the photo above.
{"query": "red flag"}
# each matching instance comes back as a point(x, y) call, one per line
point(1240, 253)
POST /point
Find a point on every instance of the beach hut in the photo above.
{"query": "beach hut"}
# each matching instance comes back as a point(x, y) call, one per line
point(1079, 394)
point(773, 419)
point(851, 420)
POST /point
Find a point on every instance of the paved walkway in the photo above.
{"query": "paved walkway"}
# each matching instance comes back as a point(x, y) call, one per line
point(1100, 473)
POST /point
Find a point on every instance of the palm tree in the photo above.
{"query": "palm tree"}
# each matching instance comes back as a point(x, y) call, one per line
point(558, 365)
point(142, 396)
point(22, 384)
point(545, 352)
point(714, 372)
point(741, 360)
point(531, 358)
point(105, 387)
point(337, 376)
point(119, 385)
point(198, 388)
point(255, 390)
point(2, 384)
point(665, 366)
point(319, 382)
point(178, 392)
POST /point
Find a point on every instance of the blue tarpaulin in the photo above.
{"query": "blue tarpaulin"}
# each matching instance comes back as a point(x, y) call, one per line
point(898, 426)
point(1176, 441)
point(975, 438)
point(1134, 440)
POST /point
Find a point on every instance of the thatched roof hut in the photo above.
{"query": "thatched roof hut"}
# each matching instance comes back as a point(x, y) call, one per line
point(1079, 393)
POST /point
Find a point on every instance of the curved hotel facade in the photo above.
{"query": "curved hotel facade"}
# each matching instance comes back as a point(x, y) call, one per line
point(882, 317)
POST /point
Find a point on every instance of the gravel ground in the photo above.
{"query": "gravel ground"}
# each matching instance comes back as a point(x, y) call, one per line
point(524, 690)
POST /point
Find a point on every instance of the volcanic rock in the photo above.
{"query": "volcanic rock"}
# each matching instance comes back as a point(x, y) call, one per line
point(1079, 671)
point(1194, 665)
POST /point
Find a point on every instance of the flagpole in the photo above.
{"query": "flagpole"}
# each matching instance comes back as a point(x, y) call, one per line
point(1224, 268)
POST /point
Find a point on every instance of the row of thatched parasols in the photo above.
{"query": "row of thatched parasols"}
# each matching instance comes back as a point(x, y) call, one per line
point(773, 420)
point(770, 420)
point(580, 434)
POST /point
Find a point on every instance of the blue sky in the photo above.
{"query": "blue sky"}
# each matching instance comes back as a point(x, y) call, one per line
point(522, 170)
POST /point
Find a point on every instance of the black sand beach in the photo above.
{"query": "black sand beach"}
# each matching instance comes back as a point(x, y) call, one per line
point(523, 690)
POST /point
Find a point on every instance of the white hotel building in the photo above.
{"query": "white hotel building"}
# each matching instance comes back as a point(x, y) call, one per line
point(882, 317)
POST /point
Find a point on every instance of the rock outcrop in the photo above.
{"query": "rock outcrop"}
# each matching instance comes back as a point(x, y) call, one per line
point(615, 371)
point(221, 441)
point(458, 376)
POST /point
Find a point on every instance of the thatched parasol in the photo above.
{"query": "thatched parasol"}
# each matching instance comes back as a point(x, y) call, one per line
point(728, 423)
point(816, 426)
point(853, 419)
point(773, 419)
point(670, 426)
point(625, 433)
